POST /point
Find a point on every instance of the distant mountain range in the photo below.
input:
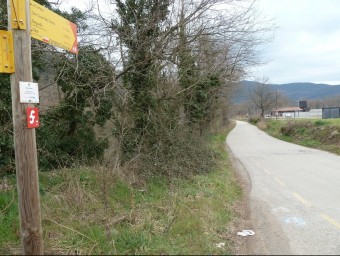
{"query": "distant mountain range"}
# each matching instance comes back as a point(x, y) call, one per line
point(293, 91)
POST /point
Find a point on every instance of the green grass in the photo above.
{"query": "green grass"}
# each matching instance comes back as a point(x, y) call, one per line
point(333, 121)
point(96, 211)
point(9, 225)
point(322, 134)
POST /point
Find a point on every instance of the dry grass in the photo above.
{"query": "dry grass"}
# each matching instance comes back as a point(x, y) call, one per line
point(101, 211)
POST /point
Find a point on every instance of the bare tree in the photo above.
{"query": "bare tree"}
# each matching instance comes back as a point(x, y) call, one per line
point(175, 60)
point(263, 96)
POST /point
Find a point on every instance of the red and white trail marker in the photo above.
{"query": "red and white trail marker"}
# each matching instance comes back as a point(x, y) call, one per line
point(32, 115)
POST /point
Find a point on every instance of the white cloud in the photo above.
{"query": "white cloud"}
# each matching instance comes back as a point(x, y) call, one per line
point(307, 45)
point(68, 4)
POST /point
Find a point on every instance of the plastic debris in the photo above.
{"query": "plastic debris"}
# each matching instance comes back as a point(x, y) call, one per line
point(220, 245)
point(246, 232)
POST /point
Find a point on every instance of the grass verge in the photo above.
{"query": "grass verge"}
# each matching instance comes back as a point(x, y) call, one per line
point(94, 211)
point(322, 134)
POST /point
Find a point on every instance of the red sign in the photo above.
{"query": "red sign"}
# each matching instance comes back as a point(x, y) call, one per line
point(32, 115)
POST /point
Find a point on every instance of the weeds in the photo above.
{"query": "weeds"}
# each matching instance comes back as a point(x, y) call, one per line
point(9, 224)
point(254, 119)
point(321, 122)
point(320, 134)
point(102, 210)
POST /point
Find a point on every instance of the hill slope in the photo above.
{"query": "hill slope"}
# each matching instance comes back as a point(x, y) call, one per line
point(293, 91)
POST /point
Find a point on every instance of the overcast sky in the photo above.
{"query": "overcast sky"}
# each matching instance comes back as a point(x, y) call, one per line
point(307, 43)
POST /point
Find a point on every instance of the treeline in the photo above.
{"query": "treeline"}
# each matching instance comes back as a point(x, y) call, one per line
point(151, 79)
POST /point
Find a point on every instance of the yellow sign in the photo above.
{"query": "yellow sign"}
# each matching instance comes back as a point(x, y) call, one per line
point(53, 29)
point(6, 52)
point(18, 14)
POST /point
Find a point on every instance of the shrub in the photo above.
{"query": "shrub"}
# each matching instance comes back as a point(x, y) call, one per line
point(66, 138)
point(6, 127)
point(254, 119)
point(288, 130)
point(177, 154)
point(321, 122)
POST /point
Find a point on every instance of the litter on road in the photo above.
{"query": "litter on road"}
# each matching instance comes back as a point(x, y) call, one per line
point(220, 245)
point(246, 233)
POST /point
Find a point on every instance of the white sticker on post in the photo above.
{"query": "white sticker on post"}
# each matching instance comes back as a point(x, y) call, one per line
point(29, 92)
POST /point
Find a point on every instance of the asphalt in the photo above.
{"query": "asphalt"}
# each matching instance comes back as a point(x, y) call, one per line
point(294, 194)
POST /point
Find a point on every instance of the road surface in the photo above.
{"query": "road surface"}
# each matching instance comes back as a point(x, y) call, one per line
point(294, 193)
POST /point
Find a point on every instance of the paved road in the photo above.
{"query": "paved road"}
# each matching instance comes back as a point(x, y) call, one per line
point(294, 195)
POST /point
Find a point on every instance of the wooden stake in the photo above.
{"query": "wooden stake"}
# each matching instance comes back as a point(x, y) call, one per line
point(26, 161)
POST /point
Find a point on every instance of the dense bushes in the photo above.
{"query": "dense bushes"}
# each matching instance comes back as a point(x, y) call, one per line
point(178, 154)
point(66, 138)
point(254, 119)
point(153, 70)
point(6, 127)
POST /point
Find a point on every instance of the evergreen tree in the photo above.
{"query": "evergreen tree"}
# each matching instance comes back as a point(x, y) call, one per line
point(139, 28)
point(6, 125)
point(67, 132)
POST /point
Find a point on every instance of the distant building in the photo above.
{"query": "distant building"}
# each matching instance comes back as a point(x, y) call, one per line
point(333, 112)
point(287, 112)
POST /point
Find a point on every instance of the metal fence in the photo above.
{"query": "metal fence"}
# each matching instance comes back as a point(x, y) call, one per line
point(330, 113)
point(313, 113)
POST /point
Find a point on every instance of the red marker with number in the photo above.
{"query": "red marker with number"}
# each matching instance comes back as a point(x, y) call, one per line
point(32, 115)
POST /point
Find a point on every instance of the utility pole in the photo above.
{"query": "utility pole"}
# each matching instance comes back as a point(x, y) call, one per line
point(26, 160)
point(276, 114)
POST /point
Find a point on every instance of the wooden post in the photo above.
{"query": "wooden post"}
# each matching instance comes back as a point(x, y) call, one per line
point(26, 161)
